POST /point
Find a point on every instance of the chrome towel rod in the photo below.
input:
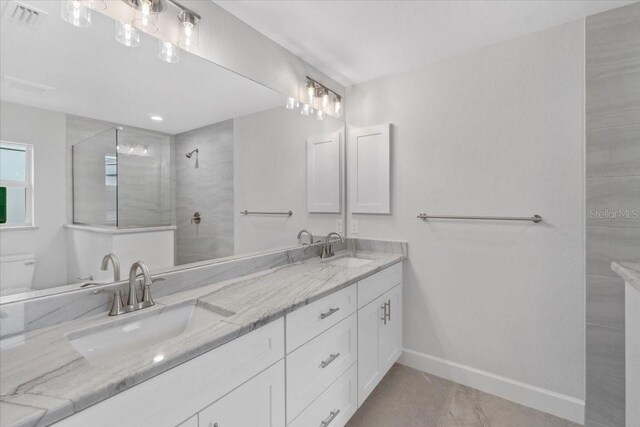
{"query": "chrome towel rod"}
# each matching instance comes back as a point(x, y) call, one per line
point(535, 218)
point(245, 212)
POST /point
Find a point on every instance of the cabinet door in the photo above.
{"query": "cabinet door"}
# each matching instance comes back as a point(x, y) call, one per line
point(379, 339)
point(369, 325)
point(391, 331)
point(258, 402)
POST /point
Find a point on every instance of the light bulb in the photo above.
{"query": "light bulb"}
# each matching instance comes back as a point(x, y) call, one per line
point(311, 92)
point(169, 52)
point(325, 99)
point(337, 106)
point(147, 19)
point(188, 38)
point(76, 13)
point(127, 35)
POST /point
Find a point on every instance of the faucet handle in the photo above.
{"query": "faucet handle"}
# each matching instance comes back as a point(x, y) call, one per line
point(116, 304)
point(146, 295)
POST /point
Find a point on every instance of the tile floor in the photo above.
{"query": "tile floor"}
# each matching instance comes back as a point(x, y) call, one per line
point(410, 398)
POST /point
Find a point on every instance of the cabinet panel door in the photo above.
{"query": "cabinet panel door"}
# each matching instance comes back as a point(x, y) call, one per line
point(323, 173)
point(258, 402)
point(369, 324)
point(369, 170)
point(391, 330)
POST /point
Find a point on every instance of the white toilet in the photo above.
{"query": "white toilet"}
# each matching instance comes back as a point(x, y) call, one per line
point(16, 273)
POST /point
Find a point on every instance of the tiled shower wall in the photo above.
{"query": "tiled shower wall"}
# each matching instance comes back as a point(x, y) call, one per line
point(612, 199)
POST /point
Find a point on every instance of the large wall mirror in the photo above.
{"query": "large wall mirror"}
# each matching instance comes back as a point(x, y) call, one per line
point(107, 149)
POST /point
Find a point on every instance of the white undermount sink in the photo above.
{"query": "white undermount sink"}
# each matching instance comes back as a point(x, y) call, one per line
point(107, 342)
point(349, 261)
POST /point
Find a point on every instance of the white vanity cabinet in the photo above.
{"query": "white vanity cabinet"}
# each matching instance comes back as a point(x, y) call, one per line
point(315, 367)
point(379, 332)
point(258, 402)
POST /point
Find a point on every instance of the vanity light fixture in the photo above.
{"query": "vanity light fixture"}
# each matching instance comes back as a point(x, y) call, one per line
point(143, 16)
point(76, 12)
point(321, 101)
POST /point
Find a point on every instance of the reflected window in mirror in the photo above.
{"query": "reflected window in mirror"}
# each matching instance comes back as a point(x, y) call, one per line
point(16, 184)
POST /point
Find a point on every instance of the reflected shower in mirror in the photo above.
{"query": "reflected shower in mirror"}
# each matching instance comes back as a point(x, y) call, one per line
point(107, 150)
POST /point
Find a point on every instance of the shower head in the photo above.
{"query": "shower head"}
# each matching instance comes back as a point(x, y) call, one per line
point(191, 153)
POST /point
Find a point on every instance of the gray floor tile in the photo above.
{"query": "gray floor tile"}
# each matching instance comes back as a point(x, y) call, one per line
point(407, 397)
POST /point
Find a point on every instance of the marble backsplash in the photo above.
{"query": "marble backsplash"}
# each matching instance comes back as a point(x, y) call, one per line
point(23, 316)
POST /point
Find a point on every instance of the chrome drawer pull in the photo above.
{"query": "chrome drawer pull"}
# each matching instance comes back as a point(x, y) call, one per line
point(328, 362)
point(386, 312)
point(329, 313)
point(331, 417)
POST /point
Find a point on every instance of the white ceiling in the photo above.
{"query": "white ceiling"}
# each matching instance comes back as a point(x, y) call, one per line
point(356, 41)
point(96, 77)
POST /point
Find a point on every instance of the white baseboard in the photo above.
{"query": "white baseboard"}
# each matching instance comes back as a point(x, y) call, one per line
point(553, 403)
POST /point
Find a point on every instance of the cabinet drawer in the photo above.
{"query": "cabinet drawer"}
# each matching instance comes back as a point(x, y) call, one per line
point(318, 363)
point(317, 317)
point(335, 406)
point(377, 284)
point(258, 402)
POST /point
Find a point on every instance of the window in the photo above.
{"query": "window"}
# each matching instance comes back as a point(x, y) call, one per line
point(16, 184)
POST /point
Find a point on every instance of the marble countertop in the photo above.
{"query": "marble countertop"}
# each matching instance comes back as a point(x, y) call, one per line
point(43, 379)
point(629, 271)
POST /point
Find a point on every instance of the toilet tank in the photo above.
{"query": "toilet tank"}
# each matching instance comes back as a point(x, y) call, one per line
point(16, 273)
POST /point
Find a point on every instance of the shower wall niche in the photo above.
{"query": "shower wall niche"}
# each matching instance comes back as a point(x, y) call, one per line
point(122, 179)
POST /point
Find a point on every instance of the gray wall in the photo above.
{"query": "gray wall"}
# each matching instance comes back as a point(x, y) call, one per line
point(498, 131)
point(207, 189)
point(613, 183)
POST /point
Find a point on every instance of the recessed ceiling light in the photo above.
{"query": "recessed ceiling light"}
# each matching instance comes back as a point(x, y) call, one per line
point(156, 118)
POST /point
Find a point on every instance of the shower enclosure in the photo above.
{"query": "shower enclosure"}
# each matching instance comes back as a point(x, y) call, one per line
point(122, 178)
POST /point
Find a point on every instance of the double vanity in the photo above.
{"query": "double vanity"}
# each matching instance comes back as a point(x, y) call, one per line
point(302, 344)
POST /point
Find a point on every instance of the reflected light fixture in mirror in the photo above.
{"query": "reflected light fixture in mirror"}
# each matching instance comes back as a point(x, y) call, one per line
point(169, 52)
point(127, 34)
point(76, 12)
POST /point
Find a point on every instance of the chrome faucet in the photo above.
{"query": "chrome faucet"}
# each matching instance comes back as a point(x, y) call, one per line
point(132, 300)
point(327, 249)
point(308, 233)
point(116, 265)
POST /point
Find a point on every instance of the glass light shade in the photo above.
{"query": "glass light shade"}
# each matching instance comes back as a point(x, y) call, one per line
point(127, 34)
point(305, 110)
point(337, 106)
point(291, 103)
point(169, 52)
point(147, 16)
point(76, 12)
point(319, 115)
point(188, 38)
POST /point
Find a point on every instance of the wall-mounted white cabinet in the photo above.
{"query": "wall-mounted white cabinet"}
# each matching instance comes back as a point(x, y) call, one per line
point(323, 173)
point(338, 349)
point(369, 156)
